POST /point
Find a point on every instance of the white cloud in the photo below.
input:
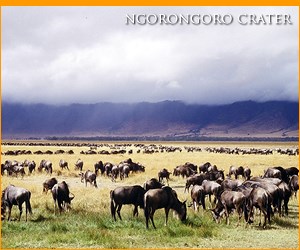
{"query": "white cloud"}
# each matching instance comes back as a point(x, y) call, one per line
point(81, 54)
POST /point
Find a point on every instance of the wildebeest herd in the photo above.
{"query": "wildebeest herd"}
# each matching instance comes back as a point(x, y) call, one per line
point(233, 191)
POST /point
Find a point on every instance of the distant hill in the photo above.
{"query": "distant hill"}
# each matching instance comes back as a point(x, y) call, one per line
point(168, 118)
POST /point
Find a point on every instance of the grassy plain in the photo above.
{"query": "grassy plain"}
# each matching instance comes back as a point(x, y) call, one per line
point(89, 224)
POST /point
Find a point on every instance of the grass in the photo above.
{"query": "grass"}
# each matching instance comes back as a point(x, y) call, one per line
point(89, 224)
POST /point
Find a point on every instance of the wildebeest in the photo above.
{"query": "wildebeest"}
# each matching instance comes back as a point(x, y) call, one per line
point(153, 183)
point(90, 177)
point(164, 173)
point(124, 170)
point(79, 165)
point(114, 172)
point(228, 201)
point(31, 166)
point(63, 164)
point(198, 197)
point(247, 173)
point(99, 166)
point(47, 165)
point(260, 199)
point(292, 171)
point(272, 173)
point(126, 195)
point(60, 194)
point(48, 184)
point(204, 168)
point(294, 184)
point(165, 198)
point(12, 195)
point(236, 171)
point(211, 188)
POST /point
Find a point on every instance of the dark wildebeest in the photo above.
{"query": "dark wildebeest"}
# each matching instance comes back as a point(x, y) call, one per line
point(294, 184)
point(164, 173)
point(196, 179)
point(273, 191)
point(99, 166)
point(126, 195)
point(165, 198)
point(292, 171)
point(60, 194)
point(153, 183)
point(31, 166)
point(286, 195)
point(228, 201)
point(16, 196)
point(247, 173)
point(90, 177)
point(108, 166)
point(260, 199)
point(48, 184)
point(47, 165)
point(198, 197)
point(63, 164)
point(272, 173)
point(124, 170)
point(236, 171)
point(204, 168)
point(79, 165)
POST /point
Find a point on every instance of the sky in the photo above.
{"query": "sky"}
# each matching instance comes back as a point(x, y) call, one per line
point(64, 55)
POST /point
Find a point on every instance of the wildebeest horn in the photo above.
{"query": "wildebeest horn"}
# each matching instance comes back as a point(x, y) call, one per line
point(72, 196)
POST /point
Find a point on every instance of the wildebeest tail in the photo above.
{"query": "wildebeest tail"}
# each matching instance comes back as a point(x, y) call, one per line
point(28, 205)
point(112, 205)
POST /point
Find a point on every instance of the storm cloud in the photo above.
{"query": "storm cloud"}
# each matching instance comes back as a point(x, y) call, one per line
point(62, 55)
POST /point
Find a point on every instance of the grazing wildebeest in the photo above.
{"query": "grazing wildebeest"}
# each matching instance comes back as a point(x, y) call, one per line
point(260, 199)
point(126, 195)
point(164, 173)
point(79, 165)
point(153, 183)
point(165, 198)
point(228, 201)
point(48, 184)
point(198, 197)
point(47, 165)
point(60, 194)
point(90, 177)
point(294, 184)
point(99, 166)
point(63, 164)
point(16, 196)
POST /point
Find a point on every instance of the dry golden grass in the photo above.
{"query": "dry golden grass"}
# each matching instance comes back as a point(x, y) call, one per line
point(96, 200)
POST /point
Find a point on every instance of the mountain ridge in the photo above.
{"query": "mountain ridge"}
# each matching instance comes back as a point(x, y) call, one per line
point(244, 118)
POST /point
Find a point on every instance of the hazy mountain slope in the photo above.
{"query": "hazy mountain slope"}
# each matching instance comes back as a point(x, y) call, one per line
point(163, 118)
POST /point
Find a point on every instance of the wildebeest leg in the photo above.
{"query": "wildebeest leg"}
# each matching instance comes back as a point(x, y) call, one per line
point(9, 212)
point(20, 208)
point(118, 210)
point(167, 214)
point(113, 210)
point(135, 210)
point(151, 214)
point(195, 205)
